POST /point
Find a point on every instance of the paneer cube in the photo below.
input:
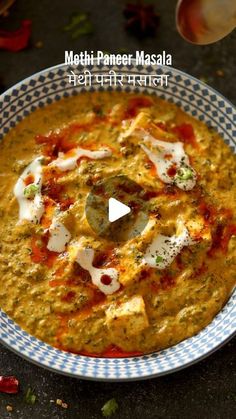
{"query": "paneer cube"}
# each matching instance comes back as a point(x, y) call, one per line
point(141, 121)
point(198, 228)
point(128, 318)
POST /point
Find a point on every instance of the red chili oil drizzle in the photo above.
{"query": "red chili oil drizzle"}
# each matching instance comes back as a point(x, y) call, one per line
point(100, 190)
point(65, 203)
point(165, 283)
point(179, 262)
point(217, 237)
point(147, 195)
point(61, 141)
point(161, 125)
point(54, 143)
point(106, 279)
point(111, 352)
point(221, 238)
point(172, 170)
point(68, 297)
point(56, 282)
point(28, 180)
point(9, 385)
point(49, 206)
point(82, 276)
point(115, 352)
point(51, 187)
point(168, 190)
point(40, 253)
point(222, 231)
point(208, 212)
point(134, 104)
point(185, 132)
point(134, 206)
point(53, 190)
point(145, 273)
point(166, 280)
point(79, 275)
point(105, 259)
point(168, 156)
point(152, 167)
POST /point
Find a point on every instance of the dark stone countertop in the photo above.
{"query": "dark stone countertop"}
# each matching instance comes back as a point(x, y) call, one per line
point(205, 390)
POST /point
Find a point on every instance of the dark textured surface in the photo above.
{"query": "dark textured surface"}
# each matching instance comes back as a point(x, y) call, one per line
point(205, 390)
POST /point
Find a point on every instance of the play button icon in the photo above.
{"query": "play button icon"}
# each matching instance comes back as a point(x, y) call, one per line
point(116, 210)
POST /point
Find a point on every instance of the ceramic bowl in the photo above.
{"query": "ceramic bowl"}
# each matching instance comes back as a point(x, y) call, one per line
point(198, 100)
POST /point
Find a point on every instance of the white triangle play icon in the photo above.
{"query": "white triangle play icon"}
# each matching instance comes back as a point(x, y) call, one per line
point(116, 210)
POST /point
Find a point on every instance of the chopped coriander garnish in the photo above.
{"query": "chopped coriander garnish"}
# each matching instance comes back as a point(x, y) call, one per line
point(31, 190)
point(185, 173)
point(79, 25)
point(159, 259)
point(30, 397)
point(109, 407)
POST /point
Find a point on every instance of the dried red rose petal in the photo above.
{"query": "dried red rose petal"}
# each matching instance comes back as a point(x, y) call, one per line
point(9, 385)
point(16, 40)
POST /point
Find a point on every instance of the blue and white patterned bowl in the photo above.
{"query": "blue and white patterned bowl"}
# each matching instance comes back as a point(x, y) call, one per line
point(195, 98)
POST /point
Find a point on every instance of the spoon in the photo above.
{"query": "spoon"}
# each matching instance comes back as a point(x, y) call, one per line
point(204, 22)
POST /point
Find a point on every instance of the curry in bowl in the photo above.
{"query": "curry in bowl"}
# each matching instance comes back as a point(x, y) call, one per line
point(145, 282)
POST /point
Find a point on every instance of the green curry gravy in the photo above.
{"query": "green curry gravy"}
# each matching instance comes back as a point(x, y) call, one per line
point(49, 294)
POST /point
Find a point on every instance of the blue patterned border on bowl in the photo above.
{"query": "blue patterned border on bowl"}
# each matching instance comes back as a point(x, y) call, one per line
point(195, 98)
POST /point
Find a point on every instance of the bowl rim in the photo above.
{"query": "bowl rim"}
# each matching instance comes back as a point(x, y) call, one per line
point(138, 377)
point(116, 379)
point(171, 68)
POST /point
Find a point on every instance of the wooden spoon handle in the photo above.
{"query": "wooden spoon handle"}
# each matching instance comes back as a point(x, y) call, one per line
point(205, 21)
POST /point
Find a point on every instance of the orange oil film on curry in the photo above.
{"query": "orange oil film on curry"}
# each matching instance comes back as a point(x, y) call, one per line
point(50, 295)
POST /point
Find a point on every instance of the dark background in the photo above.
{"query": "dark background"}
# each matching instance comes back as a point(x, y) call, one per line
point(205, 390)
